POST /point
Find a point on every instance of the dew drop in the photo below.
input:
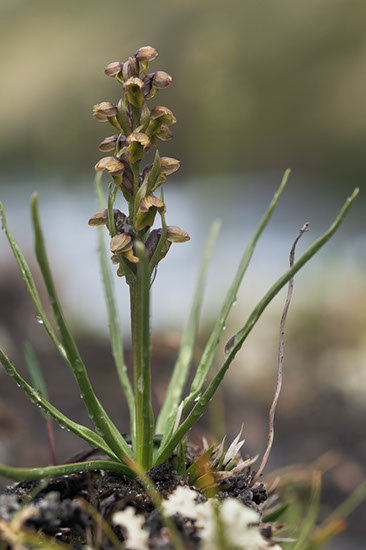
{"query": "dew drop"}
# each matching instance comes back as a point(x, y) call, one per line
point(39, 319)
point(197, 398)
point(234, 302)
point(229, 345)
point(224, 327)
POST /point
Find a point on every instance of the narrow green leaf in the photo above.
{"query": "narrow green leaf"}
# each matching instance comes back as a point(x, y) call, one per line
point(35, 396)
point(114, 324)
point(96, 412)
point(211, 347)
point(240, 337)
point(29, 281)
point(181, 369)
point(31, 474)
point(140, 318)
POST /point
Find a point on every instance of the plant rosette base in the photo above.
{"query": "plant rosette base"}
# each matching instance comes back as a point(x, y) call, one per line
point(68, 510)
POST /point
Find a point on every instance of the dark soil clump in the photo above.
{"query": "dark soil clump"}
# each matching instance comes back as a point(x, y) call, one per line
point(60, 510)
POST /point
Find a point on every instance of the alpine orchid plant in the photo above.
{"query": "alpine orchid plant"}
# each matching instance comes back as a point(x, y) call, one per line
point(135, 200)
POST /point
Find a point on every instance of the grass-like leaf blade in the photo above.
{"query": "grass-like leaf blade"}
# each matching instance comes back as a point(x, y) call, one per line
point(98, 415)
point(211, 347)
point(29, 282)
point(181, 369)
point(240, 337)
point(31, 474)
point(35, 396)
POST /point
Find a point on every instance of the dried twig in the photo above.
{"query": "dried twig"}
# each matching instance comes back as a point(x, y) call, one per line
point(272, 411)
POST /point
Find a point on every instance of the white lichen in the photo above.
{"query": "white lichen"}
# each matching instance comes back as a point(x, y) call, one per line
point(240, 524)
point(133, 524)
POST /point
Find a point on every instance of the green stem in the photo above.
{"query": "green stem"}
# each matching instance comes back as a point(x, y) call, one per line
point(140, 328)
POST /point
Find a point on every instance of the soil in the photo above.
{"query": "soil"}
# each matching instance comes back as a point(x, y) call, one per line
point(60, 512)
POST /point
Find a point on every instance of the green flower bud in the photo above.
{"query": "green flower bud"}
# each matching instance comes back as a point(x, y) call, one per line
point(134, 88)
point(137, 145)
point(176, 235)
point(146, 54)
point(113, 166)
point(121, 243)
point(114, 69)
point(169, 165)
point(161, 79)
point(130, 68)
point(99, 218)
point(164, 114)
point(108, 143)
point(103, 110)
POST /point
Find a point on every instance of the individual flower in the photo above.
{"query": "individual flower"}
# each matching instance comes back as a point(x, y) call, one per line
point(169, 165)
point(99, 218)
point(134, 88)
point(137, 145)
point(176, 235)
point(121, 221)
point(159, 117)
point(114, 69)
point(164, 133)
point(146, 54)
point(102, 111)
point(123, 244)
point(108, 143)
point(164, 114)
point(113, 166)
point(147, 211)
point(161, 79)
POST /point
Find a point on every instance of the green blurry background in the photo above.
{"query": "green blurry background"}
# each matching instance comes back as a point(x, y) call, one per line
point(259, 86)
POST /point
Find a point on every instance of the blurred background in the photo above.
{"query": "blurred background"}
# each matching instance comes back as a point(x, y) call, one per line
point(258, 87)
